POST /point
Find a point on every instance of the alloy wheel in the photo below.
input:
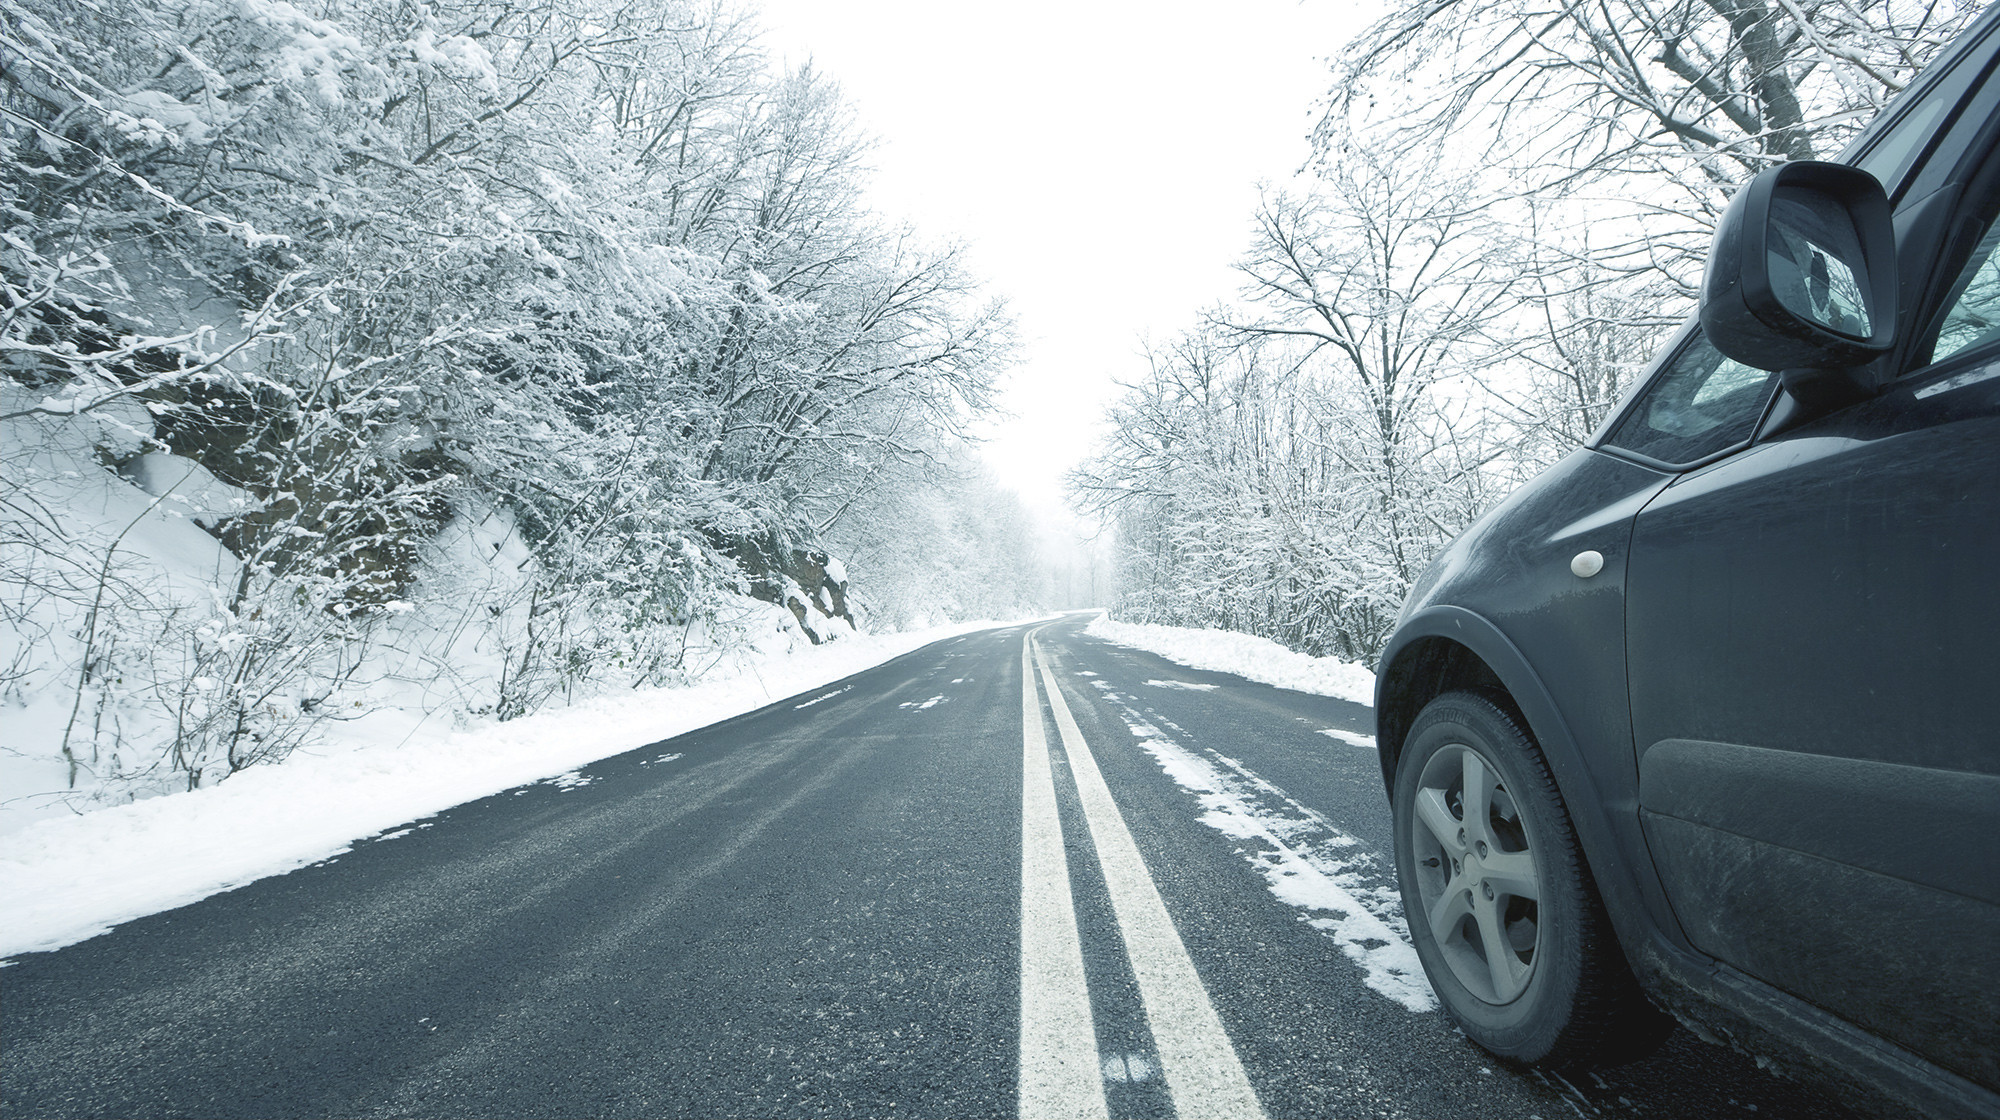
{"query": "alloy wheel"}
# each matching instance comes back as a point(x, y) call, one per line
point(1476, 874)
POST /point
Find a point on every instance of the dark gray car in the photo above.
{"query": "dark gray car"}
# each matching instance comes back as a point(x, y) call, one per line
point(1704, 717)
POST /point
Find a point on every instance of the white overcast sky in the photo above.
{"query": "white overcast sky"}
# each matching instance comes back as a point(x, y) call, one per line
point(1100, 157)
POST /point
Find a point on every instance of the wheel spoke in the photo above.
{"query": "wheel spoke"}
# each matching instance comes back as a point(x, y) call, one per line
point(1435, 816)
point(1508, 973)
point(1479, 784)
point(1447, 912)
point(1513, 873)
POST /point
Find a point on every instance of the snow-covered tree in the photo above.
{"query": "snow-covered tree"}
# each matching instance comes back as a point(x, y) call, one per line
point(589, 283)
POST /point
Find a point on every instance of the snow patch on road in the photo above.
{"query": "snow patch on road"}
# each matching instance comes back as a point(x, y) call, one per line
point(819, 699)
point(1349, 737)
point(1257, 659)
point(568, 780)
point(1189, 686)
point(1128, 1067)
point(1306, 861)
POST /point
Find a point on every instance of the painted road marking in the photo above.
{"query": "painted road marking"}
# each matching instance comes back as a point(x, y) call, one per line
point(1203, 1074)
point(1060, 1075)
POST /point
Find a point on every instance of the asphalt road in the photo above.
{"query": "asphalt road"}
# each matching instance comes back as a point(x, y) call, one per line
point(901, 895)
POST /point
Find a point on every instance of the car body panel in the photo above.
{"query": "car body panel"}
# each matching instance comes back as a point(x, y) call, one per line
point(1819, 774)
point(1495, 602)
point(1792, 810)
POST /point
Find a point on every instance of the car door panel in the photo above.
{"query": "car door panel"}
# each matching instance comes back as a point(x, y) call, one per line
point(1910, 822)
point(1810, 631)
point(1910, 963)
point(1848, 879)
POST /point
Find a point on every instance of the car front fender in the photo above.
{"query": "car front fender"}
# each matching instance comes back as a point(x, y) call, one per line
point(1443, 648)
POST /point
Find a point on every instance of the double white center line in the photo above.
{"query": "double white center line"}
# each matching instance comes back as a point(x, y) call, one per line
point(1060, 1074)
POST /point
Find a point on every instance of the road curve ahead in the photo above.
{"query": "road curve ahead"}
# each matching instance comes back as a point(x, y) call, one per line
point(1022, 872)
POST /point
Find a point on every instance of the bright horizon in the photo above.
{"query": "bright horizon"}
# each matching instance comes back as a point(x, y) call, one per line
point(1101, 161)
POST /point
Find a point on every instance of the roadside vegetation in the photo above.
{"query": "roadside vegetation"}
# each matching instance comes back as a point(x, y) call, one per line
point(466, 355)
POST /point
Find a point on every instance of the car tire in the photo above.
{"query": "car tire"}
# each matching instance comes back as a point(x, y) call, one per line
point(1500, 903)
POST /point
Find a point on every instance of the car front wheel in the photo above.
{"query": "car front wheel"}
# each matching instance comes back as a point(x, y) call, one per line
point(1500, 904)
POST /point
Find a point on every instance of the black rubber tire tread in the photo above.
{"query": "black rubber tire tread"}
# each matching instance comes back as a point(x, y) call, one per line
point(1583, 1008)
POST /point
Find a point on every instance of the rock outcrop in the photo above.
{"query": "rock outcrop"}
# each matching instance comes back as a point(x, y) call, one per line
point(806, 581)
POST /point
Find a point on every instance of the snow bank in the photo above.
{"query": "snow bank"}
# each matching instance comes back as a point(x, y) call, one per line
point(1258, 659)
point(66, 879)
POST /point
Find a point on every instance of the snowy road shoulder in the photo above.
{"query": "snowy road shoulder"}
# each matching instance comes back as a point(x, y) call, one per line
point(1338, 885)
point(1245, 655)
point(66, 879)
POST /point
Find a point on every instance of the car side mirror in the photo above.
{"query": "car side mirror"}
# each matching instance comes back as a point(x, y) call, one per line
point(1802, 279)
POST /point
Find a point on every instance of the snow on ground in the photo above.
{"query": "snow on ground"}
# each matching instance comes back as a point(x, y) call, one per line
point(1258, 659)
point(1337, 884)
point(65, 879)
point(1300, 861)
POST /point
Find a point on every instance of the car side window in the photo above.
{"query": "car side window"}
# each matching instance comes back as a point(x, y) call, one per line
point(1891, 158)
point(1967, 313)
point(1962, 132)
point(1702, 404)
point(1973, 315)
